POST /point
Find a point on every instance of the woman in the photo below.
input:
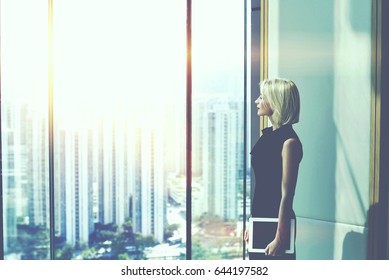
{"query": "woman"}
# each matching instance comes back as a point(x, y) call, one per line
point(275, 160)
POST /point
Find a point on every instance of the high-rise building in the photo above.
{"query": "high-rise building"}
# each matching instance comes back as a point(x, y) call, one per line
point(174, 138)
point(149, 198)
point(77, 181)
point(35, 144)
point(199, 106)
point(220, 157)
point(60, 182)
point(8, 172)
point(120, 172)
point(112, 175)
point(25, 165)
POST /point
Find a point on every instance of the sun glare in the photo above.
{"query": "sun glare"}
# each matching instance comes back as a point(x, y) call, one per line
point(112, 68)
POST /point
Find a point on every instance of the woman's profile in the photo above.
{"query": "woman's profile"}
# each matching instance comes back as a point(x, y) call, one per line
point(275, 160)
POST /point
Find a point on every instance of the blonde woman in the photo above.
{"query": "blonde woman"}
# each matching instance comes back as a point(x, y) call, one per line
point(275, 160)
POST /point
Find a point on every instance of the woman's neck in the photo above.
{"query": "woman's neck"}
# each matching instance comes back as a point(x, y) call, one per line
point(275, 126)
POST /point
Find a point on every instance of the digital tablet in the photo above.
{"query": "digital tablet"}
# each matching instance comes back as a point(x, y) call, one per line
point(263, 231)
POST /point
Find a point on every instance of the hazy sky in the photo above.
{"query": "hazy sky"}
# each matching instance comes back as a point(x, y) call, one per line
point(116, 53)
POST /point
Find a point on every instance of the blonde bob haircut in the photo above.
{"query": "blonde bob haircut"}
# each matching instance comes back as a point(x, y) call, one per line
point(284, 99)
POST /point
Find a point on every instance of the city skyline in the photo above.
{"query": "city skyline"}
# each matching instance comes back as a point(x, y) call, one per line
point(119, 171)
point(118, 86)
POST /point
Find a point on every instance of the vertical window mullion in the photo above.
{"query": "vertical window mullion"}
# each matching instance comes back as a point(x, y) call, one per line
point(51, 128)
point(189, 131)
point(244, 122)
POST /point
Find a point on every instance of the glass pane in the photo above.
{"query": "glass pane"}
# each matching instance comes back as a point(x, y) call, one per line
point(218, 100)
point(24, 124)
point(119, 87)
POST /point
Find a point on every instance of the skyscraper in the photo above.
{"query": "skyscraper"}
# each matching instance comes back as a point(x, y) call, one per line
point(8, 171)
point(149, 199)
point(35, 143)
point(79, 186)
point(220, 157)
point(25, 180)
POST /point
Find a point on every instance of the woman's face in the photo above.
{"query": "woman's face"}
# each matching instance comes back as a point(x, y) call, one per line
point(263, 106)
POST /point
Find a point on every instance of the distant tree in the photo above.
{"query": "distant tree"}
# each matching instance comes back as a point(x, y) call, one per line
point(102, 233)
point(143, 241)
point(182, 256)
point(66, 253)
point(33, 242)
point(127, 233)
point(88, 253)
point(119, 242)
point(169, 231)
point(123, 239)
point(123, 257)
point(198, 252)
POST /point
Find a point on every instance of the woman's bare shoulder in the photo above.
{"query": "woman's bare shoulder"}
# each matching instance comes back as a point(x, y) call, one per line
point(292, 148)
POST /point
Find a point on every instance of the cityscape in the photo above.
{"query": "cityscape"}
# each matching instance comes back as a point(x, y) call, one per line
point(118, 82)
point(121, 179)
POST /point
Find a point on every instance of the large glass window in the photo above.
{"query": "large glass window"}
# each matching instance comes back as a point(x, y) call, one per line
point(218, 101)
point(24, 129)
point(119, 118)
point(119, 129)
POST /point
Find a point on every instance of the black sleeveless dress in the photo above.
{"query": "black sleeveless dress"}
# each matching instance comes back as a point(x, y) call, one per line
point(266, 161)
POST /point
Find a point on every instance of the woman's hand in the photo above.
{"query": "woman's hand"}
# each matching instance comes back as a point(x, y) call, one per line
point(246, 235)
point(274, 248)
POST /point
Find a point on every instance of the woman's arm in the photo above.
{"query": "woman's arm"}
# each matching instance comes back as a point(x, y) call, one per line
point(291, 157)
